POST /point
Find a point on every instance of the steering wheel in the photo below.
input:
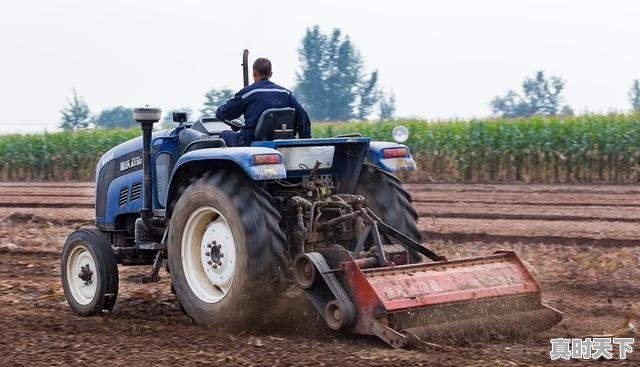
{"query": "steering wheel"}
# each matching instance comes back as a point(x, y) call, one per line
point(235, 124)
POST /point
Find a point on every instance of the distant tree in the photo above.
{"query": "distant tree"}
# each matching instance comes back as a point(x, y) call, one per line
point(332, 83)
point(511, 105)
point(167, 119)
point(566, 110)
point(215, 98)
point(75, 115)
point(369, 96)
point(634, 95)
point(387, 106)
point(115, 117)
point(540, 96)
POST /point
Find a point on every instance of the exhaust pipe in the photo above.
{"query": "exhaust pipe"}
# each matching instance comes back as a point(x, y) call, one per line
point(245, 67)
point(146, 117)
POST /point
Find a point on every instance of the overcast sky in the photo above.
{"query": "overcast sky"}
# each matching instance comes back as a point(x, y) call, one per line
point(443, 59)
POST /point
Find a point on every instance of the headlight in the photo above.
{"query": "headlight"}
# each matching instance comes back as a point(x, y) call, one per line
point(400, 134)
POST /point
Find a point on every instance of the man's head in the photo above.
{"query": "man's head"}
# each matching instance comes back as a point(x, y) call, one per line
point(261, 69)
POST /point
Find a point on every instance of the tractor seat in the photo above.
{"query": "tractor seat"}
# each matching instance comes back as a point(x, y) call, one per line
point(276, 123)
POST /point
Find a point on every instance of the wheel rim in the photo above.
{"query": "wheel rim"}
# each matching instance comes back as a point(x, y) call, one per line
point(208, 254)
point(82, 275)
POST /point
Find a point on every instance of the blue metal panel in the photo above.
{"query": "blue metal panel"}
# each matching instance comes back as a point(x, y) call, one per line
point(162, 141)
point(128, 147)
point(389, 164)
point(339, 166)
point(242, 156)
point(374, 155)
point(113, 195)
point(307, 142)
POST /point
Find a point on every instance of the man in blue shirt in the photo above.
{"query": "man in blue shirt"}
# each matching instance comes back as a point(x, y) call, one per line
point(256, 98)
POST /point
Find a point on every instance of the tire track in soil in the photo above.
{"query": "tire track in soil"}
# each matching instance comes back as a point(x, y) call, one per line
point(532, 203)
point(612, 189)
point(462, 237)
point(551, 218)
point(48, 205)
point(524, 202)
point(7, 194)
point(27, 195)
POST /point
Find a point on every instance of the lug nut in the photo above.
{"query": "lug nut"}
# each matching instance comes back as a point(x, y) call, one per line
point(214, 242)
point(221, 254)
point(209, 262)
point(209, 245)
point(215, 266)
point(207, 254)
point(219, 263)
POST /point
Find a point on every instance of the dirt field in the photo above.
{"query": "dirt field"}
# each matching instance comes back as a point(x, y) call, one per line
point(581, 242)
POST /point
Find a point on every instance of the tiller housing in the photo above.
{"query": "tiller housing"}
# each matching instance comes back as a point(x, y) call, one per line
point(378, 293)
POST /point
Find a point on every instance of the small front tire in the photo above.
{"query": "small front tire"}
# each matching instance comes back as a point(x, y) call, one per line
point(89, 272)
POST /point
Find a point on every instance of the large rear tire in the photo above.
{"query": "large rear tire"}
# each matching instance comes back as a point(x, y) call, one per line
point(224, 251)
point(89, 272)
point(386, 197)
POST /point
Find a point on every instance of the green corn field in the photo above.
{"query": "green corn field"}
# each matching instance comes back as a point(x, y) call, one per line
point(57, 156)
point(588, 148)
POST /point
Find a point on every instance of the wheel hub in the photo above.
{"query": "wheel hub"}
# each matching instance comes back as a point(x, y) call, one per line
point(86, 274)
point(215, 253)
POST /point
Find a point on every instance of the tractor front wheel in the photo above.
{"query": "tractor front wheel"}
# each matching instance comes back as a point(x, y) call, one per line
point(89, 272)
point(224, 251)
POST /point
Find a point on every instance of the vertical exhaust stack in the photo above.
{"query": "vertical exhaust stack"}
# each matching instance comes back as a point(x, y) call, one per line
point(245, 67)
point(146, 117)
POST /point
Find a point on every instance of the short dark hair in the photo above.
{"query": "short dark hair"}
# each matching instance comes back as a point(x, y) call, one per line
point(262, 66)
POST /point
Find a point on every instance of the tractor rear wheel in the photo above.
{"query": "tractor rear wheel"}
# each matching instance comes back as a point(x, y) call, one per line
point(224, 251)
point(89, 272)
point(386, 197)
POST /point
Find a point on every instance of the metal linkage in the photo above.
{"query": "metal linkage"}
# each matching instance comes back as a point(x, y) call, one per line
point(153, 277)
point(376, 228)
point(405, 241)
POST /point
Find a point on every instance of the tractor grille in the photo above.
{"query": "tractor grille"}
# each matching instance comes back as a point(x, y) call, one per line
point(124, 192)
point(136, 188)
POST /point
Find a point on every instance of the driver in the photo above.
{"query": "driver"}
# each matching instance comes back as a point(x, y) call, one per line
point(256, 98)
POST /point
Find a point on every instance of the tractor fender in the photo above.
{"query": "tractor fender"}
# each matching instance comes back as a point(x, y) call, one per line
point(198, 162)
point(376, 158)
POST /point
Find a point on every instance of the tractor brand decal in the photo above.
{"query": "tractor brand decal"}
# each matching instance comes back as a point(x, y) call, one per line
point(130, 163)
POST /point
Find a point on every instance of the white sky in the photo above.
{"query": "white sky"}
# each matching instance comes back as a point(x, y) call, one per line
point(443, 59)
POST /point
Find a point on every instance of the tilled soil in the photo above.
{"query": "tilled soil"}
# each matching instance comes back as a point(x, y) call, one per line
point(596, 287)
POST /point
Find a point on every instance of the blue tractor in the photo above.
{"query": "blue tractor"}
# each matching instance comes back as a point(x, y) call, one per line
point(235, 223)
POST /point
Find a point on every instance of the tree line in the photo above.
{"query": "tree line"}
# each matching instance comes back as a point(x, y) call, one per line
point(334, 85)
